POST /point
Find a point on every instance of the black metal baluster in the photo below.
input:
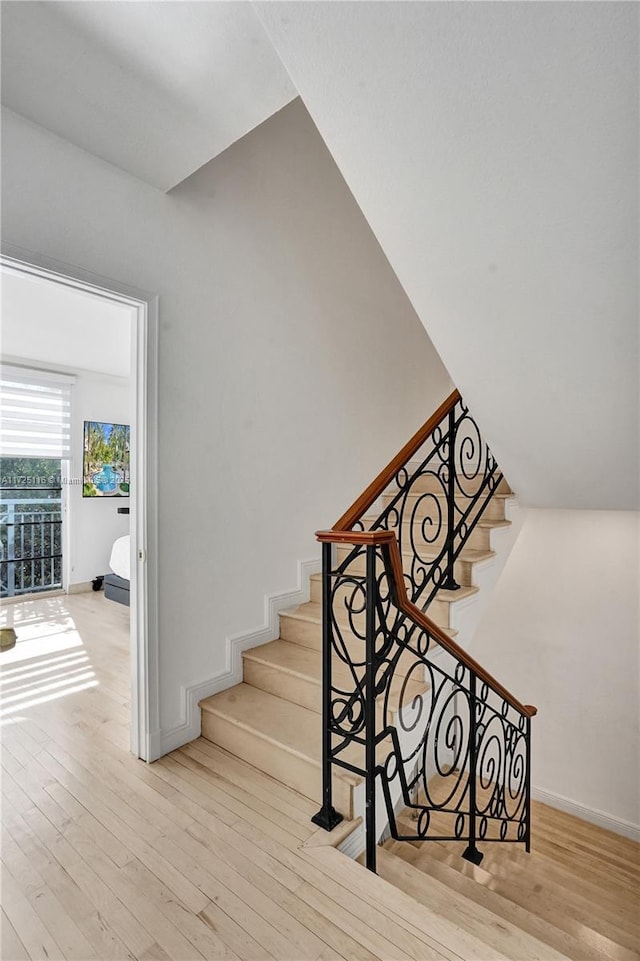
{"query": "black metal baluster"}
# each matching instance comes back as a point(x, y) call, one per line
point(472, 853)
point(11, 551)
point(450, 583)
point(527, 787)
point(327, 817)
point(370, 711)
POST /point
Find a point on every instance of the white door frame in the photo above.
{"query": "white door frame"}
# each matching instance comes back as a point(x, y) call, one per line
point(145, 714)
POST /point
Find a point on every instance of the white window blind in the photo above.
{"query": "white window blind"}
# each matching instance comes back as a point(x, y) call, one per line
point(35, 413)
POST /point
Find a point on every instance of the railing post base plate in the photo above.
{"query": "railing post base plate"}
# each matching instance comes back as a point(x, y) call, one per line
point(472, 854)
point(327, 818)
point(449, 584)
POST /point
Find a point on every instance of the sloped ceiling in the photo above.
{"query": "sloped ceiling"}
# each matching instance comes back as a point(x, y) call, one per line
point(493, 149)
point(156, 88)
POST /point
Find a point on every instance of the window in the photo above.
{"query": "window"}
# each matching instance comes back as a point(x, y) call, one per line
point(35, 437)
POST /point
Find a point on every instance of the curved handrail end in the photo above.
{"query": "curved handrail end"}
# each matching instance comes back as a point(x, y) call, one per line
point(355, 537)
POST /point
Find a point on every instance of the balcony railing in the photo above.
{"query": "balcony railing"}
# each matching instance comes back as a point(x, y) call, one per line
point(30, 545)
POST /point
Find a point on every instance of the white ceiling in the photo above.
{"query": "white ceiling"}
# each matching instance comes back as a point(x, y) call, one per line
point(493, 148)
point(156, 88)
point(57, 326)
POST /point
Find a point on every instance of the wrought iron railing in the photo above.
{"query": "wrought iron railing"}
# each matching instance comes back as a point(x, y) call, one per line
point(404, 706)
point(30, 545)
point(435, 498)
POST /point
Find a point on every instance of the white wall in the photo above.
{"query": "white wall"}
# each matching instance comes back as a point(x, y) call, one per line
point(94, 522)
point(493, 148)
point(291, 365)
point(561, 632)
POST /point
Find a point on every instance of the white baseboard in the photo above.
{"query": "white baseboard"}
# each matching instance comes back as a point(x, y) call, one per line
point(154, 746)
point(36, 596)
point(626, 828)
point(191, 694)
point(82, 587)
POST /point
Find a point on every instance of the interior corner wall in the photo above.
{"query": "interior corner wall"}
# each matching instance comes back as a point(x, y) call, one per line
point(493, 148)
point(561, 632)
point(291, 364)
point(94, 522)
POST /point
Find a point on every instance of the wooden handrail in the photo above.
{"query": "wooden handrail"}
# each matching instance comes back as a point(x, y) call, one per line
point(341, 533)
point(419, 617)
point(384, 478)
point(355, 537)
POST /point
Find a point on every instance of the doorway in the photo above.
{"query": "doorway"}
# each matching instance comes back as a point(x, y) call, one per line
point(141, 502)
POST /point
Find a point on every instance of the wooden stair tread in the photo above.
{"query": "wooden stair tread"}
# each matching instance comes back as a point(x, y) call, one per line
point(289, 657)
point(472, 555)
point(312, 611)
point(287, 725)
point(478, 919)
point(555, 902)
point(498, 903)
point(599, 908)
point(306, 664)
point(565, 860)
point(506, 863)
point(280, 721)
point(485, 495)
point(302, 625)
point(485, 522)
point(452, 596)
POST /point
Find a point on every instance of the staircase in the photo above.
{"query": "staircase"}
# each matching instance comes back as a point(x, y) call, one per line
point(577, 891)
point(272, 720)
point(368, 703)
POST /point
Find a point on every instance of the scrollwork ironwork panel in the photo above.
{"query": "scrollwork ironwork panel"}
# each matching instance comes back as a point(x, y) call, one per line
point(426, 720)
point(435, 504)
point(403, 706)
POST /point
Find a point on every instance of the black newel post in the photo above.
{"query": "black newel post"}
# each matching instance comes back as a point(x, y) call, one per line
point(327, 817)
point(527, 787)
point(370, 712)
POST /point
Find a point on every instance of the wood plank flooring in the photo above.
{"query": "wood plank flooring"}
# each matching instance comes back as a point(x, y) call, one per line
point(196, 856)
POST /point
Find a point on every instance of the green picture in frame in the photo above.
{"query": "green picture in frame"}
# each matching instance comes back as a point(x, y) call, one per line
point(106, 459)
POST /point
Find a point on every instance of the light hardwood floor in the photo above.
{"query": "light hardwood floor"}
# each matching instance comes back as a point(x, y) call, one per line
point(196, 856)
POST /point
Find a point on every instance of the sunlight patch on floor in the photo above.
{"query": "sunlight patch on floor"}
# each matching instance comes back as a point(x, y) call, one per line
point(48, 662)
